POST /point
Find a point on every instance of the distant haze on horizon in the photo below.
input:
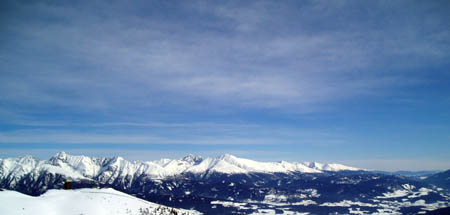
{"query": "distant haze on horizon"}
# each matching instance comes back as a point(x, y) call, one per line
point(362, 83)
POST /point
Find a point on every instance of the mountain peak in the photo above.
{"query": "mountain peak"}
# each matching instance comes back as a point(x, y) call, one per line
point(227, 157)
point(190, 158)
point(60, 155)
point(28, 159)
point(117, 160)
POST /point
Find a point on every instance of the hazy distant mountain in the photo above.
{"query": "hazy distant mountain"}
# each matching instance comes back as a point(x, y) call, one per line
point(412, 174)
point(441, 179)
point(228, 184)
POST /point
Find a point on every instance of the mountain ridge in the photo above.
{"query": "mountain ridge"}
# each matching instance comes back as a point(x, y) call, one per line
point(84, 167)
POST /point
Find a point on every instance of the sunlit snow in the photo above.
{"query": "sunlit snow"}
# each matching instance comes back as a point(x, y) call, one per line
point(82, 201)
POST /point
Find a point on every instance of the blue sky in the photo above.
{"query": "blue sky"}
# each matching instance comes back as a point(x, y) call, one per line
point(364, 83)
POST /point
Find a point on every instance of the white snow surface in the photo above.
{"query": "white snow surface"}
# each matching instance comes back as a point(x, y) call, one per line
point(16, 168)
point(82, 201)
point(329, 167)
point(105, 169)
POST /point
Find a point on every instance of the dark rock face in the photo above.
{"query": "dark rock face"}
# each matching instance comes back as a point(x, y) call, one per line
point(36, 184)
point(216, 193)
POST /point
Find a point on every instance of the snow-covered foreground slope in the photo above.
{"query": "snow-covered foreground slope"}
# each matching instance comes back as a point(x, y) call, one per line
point(106, 169)
point(82, 201)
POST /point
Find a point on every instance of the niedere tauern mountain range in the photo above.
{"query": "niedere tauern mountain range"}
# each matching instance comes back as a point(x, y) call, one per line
point(228, 184)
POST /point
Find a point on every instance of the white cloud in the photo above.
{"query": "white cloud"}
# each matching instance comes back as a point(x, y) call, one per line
point(163, 133)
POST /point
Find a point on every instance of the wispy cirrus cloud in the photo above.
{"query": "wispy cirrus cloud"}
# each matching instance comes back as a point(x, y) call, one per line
point(166, 134)
point(221, 73)
point(136, 59)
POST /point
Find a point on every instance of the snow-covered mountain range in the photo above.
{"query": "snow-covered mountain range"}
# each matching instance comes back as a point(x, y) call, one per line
point(228, 184)
point(105, 169)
